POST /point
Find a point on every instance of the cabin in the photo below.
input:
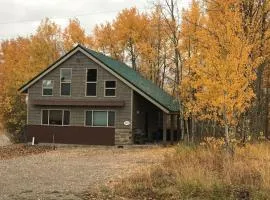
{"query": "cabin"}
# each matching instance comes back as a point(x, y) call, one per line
point(86, 97)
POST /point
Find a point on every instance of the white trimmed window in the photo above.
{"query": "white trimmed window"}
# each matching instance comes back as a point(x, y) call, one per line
point(47, 88)
point(65, 81)
point(97, 118)
point(91, 83)
point(55, 117)
point(110, 89)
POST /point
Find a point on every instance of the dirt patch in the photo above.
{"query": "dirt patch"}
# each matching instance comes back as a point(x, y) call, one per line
point(4, 140)
point(16, 150)
point(67, 172)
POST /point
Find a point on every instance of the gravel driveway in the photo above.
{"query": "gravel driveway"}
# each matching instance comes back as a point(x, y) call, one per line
point(67, 172)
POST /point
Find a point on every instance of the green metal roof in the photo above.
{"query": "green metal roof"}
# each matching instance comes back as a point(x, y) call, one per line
point(137, 80)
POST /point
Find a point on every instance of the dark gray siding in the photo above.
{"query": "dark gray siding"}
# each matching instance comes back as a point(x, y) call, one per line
point(79, 63)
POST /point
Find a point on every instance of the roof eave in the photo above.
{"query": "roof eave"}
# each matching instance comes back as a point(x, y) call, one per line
point(24, 88)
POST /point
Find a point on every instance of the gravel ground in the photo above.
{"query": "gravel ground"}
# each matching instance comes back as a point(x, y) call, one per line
point(4, 140)
point(66, 172)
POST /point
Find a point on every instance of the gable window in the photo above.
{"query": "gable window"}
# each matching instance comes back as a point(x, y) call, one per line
point(65, 81)
point(100, 118)
point(55, 117)
point(47, 88)
point(110, 87)
point(91, 82)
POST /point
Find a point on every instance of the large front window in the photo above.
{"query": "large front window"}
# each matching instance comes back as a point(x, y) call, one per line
point(100, 118)
point(65, 79)
point(55, 117)
point(91, 82)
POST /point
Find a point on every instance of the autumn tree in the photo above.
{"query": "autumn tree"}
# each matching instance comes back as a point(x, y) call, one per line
point(130, 27)
point(192, 21)
point(15, 69)
point(222, 71)
point(74, 34)
point(45, 44)
point(105, 40)
point(22, 59)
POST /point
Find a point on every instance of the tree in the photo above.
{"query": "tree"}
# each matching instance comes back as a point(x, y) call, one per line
point(256, 25)
point(15, 69)
point(130, 27)
point(22, 59)
point(105, 40)
point(192, 21)
point(222, 71)
point(74, 34)
point(45, 45)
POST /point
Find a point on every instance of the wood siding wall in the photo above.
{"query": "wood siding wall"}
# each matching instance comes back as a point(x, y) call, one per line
point(79, 63)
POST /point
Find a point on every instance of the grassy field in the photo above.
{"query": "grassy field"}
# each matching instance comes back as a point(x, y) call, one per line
point(201, 172)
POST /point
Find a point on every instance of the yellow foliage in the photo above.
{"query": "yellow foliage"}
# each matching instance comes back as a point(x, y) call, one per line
point(220, 72)
point(74, 34)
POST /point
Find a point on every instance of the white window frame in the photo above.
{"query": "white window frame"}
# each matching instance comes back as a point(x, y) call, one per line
point(63, 110)
point(107, 111)
point(69, 81)
point(47, 88)
point(90, 82)
point(110, 88)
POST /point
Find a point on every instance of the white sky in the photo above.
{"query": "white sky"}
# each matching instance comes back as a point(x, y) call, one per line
point(22, 17)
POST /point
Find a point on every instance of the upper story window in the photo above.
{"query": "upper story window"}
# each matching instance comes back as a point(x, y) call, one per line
point(110, 87)
point(55, 117)
point(65, 81)
point(91, 82)
point(47, 88)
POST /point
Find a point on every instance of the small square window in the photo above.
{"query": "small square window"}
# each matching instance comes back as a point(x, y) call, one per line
point(47, 87)
point(110, 88)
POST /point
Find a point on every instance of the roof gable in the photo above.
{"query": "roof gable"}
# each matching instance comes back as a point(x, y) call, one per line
point(132, 78)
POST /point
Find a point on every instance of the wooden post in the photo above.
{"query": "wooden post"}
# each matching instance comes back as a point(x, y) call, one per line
point(172, 128)
point(164, 128)
point(178, 127)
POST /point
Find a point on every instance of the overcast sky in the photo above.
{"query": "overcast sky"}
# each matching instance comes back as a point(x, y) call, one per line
point(21, 17)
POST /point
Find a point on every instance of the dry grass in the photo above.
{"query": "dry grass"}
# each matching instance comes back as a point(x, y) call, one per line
point(199, 173)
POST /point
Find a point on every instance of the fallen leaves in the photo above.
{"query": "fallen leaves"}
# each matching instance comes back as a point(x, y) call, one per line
point(16, 150)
